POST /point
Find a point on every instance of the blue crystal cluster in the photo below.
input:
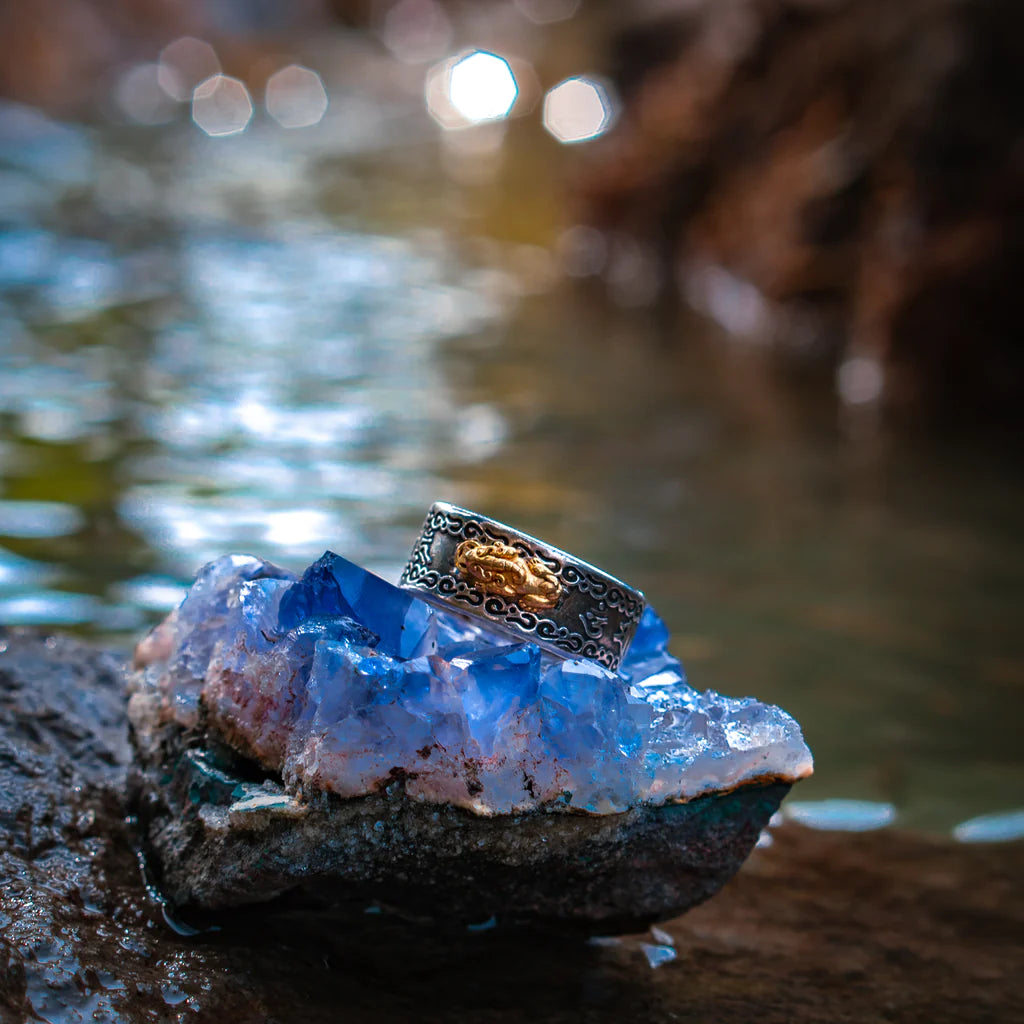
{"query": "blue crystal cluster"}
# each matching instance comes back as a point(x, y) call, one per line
point(344, 683)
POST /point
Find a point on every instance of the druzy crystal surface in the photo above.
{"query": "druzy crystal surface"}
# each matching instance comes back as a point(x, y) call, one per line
point(342, 683)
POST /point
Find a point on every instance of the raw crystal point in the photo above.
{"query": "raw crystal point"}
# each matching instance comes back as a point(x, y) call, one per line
point(299, 707)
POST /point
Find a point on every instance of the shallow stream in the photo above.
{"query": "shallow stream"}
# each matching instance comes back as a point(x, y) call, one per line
point(281, 342)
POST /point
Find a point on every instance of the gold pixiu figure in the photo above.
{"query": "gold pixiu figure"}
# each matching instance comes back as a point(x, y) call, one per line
point(503, 570)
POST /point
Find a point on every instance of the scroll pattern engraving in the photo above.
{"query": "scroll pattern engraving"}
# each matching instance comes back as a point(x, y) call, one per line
point(587, 639)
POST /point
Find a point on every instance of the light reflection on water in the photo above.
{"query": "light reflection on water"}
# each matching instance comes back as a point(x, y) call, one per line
point(991, 828)
point(295, 365)
point(212, 345)
point(275, 389)
point(840, 815)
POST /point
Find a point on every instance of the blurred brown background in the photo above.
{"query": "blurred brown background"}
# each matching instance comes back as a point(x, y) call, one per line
point(839, 178)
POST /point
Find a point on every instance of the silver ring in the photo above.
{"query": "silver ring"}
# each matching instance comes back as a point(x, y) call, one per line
point(519, 584)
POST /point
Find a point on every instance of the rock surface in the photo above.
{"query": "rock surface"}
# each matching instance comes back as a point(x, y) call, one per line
point(817, 927)
point(222, 842)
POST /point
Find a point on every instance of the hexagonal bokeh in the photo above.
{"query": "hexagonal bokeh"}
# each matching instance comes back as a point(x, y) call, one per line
point(184, 64)
point(436, 95)
point(221, 105)
point(482, 87)
point(578, 109)
point(295, 97)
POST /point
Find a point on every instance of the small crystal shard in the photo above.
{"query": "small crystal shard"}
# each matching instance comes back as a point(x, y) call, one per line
point(658, 955)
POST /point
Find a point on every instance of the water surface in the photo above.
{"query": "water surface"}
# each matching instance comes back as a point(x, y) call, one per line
point(283, 342)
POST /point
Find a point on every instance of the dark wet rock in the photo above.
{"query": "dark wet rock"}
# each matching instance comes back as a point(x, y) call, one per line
point(817, 927)
point(226, 842)
point(63, 759)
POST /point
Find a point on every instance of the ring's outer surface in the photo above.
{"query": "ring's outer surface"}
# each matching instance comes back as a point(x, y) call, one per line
point(517, 583)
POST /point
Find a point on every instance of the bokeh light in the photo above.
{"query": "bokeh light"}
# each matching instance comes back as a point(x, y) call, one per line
point(436, 95)
point(183, 65)
point(38, 518)
point(860, 380)
point(295, 97)
point(482, 87)
point(732, 302)
point(221, 105)
point(140, 97)
point(836, 815)
point(582, 250)
point(416, 31)
point(578, 109)
point(546, 12)
point(1000, 827)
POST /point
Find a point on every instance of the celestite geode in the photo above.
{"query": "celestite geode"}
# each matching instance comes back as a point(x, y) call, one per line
point(341, 682)
point(333, 730)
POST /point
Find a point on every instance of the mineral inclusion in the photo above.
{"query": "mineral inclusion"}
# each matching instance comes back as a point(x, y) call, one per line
point(340, 682)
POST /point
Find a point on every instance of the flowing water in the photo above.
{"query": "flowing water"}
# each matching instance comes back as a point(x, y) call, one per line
point(283, 342)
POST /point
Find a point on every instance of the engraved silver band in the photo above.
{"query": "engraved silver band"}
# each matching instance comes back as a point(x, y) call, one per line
point(517, 583)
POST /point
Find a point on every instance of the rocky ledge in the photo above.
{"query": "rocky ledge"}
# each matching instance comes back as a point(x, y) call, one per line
point(817, 927)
